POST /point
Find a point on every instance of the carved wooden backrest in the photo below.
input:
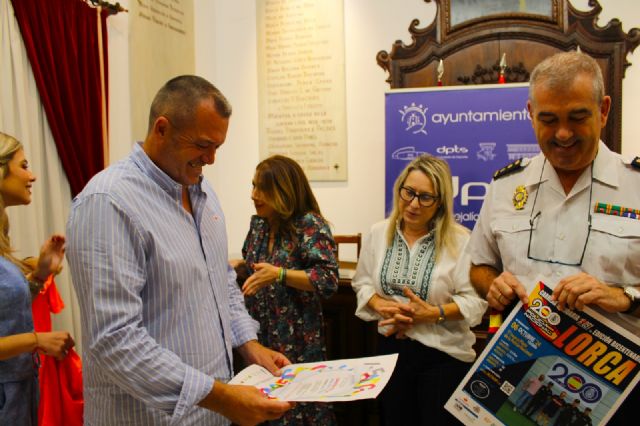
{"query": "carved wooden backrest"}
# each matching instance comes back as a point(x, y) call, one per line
point(471, 49)
point(355, 239)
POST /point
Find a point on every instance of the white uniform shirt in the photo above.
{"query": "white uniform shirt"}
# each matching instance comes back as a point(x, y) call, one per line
point(449, 283)
point(501, 236)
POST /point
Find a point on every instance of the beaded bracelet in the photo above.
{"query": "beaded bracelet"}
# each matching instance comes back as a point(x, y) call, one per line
point(35, 284)
point(282, 276)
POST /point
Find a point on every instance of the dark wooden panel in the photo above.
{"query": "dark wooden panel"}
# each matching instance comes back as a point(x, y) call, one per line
point(347, 336)
point(472, 50)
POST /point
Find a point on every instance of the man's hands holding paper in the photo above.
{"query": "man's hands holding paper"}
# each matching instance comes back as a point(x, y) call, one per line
point(498, 288)
point(254, 353)
point(246, 405)
point(579, 290)
point(574, 291)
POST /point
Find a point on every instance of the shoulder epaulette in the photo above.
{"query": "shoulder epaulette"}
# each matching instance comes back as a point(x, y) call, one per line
point(635, 163)
point(517, 165)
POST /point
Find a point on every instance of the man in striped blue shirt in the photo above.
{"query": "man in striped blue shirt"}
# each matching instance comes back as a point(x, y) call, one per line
point(160, 307)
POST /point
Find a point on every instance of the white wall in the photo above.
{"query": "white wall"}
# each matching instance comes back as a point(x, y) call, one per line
point(226, 55)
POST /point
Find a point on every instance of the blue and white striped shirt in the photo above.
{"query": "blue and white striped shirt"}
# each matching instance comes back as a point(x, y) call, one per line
point(160, 307)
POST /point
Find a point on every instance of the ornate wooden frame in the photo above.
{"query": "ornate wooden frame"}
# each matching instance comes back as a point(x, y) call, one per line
point(449, 27)
point(472, 50)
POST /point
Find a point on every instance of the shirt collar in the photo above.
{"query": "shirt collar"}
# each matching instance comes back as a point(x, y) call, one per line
point(604, 166)
point(604, 169)
point(164, 181)
point(534, 169)
point(429, 234)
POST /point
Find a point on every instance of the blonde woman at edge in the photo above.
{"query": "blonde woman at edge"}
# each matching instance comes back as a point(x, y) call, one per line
point(413, 278)
point(18, 341)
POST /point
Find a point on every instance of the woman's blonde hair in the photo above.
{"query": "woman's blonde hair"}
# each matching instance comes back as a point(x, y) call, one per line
point(286, 189)
point(443, 222)
point(8, 148)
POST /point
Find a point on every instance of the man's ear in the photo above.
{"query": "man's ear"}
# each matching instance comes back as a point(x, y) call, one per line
point(530, 109)
point(160, 126)
point(605, 107)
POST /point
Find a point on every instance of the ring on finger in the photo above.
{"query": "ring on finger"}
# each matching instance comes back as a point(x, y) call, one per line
point(500, 299)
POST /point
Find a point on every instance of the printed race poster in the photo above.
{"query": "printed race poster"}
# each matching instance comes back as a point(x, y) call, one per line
point(546, 366)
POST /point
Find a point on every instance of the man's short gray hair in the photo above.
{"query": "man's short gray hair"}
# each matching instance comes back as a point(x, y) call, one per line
point(179, 97)
point(560, 70)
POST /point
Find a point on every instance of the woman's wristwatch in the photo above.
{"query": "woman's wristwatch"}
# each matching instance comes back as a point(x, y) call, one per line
point(441, 317)
point(633, 293)
point(35, 283)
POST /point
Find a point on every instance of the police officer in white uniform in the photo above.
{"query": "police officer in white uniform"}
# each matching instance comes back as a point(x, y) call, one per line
point(570, 214)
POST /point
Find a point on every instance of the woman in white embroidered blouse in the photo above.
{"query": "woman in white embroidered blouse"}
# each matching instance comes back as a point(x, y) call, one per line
point(413, 278)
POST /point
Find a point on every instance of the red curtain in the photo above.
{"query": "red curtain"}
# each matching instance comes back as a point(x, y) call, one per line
point(61, 38)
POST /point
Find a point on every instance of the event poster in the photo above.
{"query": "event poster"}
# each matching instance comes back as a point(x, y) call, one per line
point(477, 129)
point(325, 381)
point(546, 366)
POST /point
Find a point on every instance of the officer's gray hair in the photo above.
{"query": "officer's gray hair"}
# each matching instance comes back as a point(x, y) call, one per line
point(560, 70)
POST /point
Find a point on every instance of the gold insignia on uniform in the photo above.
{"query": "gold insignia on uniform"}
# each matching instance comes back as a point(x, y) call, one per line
point(517, 165)
point(520, 196)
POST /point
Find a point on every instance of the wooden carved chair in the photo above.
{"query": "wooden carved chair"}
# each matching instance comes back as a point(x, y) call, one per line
point(470, 38)
point(348, 239)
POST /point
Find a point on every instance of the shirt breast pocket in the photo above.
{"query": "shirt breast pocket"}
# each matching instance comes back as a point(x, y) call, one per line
point(512, 237)
point(614, 249)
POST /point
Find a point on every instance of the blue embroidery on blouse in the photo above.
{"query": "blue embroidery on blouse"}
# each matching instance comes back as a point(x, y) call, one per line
point(400, 270)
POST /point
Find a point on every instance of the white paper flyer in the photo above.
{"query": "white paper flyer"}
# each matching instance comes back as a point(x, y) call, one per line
point(326, 381)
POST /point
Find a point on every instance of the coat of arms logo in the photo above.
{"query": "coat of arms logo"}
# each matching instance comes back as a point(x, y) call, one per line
point(414, 116)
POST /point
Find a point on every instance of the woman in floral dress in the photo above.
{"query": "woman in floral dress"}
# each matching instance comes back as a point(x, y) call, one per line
point(289, 257)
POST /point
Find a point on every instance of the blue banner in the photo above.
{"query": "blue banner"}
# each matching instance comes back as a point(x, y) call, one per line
point(477, 129)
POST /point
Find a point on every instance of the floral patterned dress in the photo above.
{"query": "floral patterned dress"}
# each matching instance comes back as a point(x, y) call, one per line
point(291, 319)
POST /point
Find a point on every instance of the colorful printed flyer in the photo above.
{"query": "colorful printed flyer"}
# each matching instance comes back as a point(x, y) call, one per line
point(327, 381)
point(549, 367)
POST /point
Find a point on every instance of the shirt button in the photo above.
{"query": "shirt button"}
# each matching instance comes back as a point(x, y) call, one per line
point(561, 237)
point(558, 273)
point(620, 229)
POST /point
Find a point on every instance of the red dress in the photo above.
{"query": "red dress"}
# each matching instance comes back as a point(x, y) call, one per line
point(61, 401)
